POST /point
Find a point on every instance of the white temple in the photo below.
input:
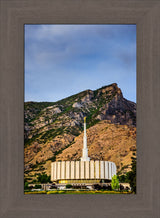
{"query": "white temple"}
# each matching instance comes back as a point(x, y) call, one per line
point(85, 149)
point(83, 171)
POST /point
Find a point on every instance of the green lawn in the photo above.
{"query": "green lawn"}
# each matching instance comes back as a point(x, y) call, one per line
point(77, 192)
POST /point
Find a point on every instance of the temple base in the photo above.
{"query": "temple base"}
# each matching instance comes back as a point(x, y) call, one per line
point(85, 159)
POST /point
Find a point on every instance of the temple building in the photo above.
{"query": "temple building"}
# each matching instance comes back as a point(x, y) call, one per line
point(84, 171)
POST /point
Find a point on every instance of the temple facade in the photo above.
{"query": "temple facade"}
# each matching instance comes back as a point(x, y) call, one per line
point(83, 171)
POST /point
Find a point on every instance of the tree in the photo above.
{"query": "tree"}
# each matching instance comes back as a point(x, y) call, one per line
point(43, 178)
point(115, 182)
point(132, 174)
point(122, 178)
point(34, 181)
point(26, 185)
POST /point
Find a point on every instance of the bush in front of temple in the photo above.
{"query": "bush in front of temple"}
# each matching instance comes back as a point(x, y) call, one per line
point(115, 183)
point(68, 186)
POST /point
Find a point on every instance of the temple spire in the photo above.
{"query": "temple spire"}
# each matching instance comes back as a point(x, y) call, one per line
point(85, 149)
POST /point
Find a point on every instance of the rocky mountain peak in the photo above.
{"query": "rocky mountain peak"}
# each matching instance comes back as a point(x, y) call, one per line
point(112, 89)
point(51, 127)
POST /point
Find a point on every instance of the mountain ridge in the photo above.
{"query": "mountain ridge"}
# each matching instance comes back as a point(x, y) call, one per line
point(51, 127)
point(76, 94)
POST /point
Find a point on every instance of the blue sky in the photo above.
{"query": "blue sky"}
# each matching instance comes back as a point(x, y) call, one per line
point(62, 60)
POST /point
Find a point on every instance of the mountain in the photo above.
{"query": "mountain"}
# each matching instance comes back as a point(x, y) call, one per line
point(54, 130)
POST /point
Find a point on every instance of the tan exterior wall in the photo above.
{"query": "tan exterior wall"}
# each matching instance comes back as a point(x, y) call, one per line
point(92, 169)
point(52, 170)
point(82, 176)
point(58, 170)
point(55, 170)
point(67, 170)
point(102, 169)
point(97, 169)
point(63, 169)
point(77, 170)
point(87, 169)
point(72, 170)
point(110, 175)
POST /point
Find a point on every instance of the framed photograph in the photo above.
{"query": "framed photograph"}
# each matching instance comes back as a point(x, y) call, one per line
point(15, 17)
point(80, 109)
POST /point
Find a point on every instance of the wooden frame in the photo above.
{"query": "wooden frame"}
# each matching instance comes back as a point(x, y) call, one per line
point(13, 15)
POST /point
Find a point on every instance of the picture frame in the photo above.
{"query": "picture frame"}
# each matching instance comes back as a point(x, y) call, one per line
point(13, 15)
